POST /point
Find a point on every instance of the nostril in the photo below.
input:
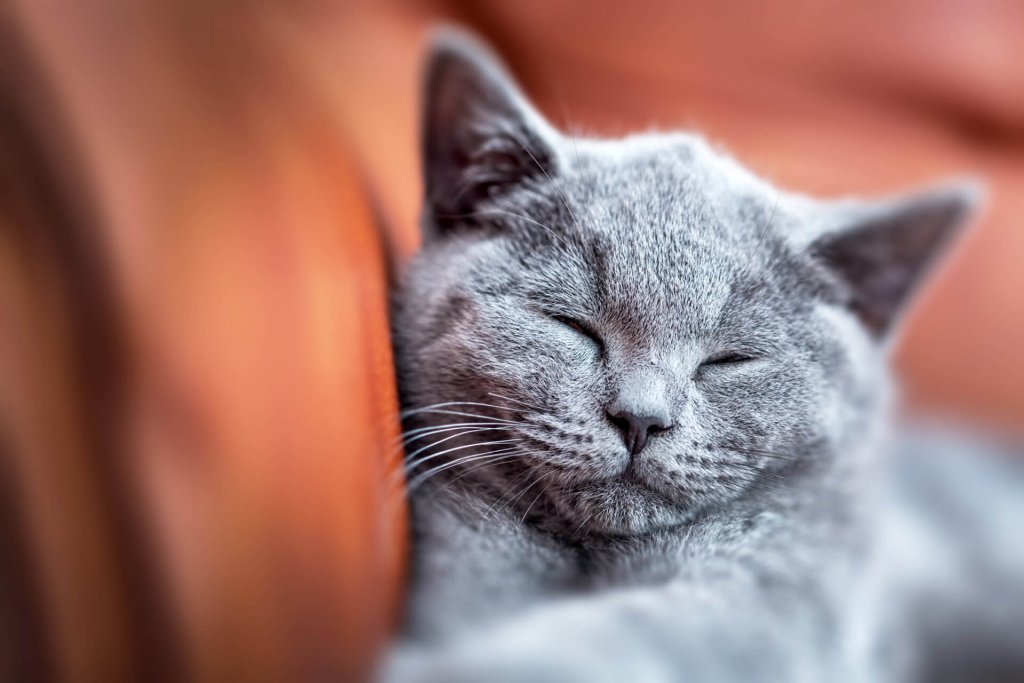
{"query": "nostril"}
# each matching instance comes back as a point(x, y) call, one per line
point(620, 421)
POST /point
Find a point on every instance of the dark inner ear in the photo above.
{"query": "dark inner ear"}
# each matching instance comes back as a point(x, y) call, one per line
point(480, 137)
point(883, 259)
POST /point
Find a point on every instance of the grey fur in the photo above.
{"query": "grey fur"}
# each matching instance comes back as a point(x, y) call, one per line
point(561, 279)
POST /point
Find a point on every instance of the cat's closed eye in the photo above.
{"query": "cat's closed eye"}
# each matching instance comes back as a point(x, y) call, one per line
point(728, 358)
point(580, 328)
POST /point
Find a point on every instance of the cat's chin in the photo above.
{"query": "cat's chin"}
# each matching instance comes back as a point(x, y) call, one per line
point(621, 507)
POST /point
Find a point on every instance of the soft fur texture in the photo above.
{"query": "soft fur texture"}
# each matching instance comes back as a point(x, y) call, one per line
point(567, 284)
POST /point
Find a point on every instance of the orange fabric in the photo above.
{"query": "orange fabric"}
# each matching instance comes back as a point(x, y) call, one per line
point(62, 575)
point(258, 416)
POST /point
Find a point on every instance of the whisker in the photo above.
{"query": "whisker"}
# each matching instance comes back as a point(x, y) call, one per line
point(426, 409)
point(515, 400)
point(465, 414)
point(404, 436)
point(420, 479)
point(769, 479)
point(466, 458)
point(410, 458)
point(493, 507)
point(512, 502)
point(768, 454)
point(543, 170)
point(442, 429)
point(727, 484)
point(586, 519)
point(489, 463)
point(534, 502)
point(468, 427)
point(472, 180)
point(487, 457)
point(512, 214)
point(411, 468)
point(757, 470)
point(412, 463)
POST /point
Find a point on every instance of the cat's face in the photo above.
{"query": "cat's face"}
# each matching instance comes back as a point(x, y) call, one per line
point(631, 332)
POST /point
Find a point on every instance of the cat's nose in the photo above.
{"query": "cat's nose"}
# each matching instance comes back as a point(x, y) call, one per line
point(641, 407)
point(636, 428)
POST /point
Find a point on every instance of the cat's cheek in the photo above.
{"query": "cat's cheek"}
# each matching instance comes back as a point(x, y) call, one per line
point(773, 405)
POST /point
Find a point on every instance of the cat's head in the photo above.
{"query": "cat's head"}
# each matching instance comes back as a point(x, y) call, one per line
point(628, 332)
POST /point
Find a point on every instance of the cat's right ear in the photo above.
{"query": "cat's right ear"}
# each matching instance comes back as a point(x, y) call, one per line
point(883, 251)
point(481, 138)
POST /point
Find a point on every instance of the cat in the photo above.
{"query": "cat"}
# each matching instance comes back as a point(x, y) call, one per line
point(646, 397)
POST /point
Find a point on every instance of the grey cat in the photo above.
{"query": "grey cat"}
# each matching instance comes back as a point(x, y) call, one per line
point(646, 398)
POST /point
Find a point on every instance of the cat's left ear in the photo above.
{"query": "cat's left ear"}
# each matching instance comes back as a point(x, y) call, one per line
point(883, 251)
point(481, 138)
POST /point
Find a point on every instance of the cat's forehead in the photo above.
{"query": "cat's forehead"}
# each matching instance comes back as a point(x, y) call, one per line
point(667, 186)
point(671, 227)
point(663, 237)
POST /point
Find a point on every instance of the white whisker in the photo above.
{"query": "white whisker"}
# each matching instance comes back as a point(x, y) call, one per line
point(514, 400)
point(464, 414)
point(427, 409)
point(420, 479)
point(411, 464)
point(534, 502)
point(468, 427)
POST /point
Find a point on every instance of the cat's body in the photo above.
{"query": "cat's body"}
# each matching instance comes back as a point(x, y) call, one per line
point(646, 403)
point(938, 597)
point(951, 591)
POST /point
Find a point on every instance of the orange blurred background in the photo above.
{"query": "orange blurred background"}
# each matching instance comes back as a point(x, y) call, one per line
point(200, 204)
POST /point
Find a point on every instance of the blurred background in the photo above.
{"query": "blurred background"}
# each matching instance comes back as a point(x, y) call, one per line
point(201, 204)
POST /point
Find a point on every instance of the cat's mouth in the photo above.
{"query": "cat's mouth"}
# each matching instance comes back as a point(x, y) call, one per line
point(623, 506)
